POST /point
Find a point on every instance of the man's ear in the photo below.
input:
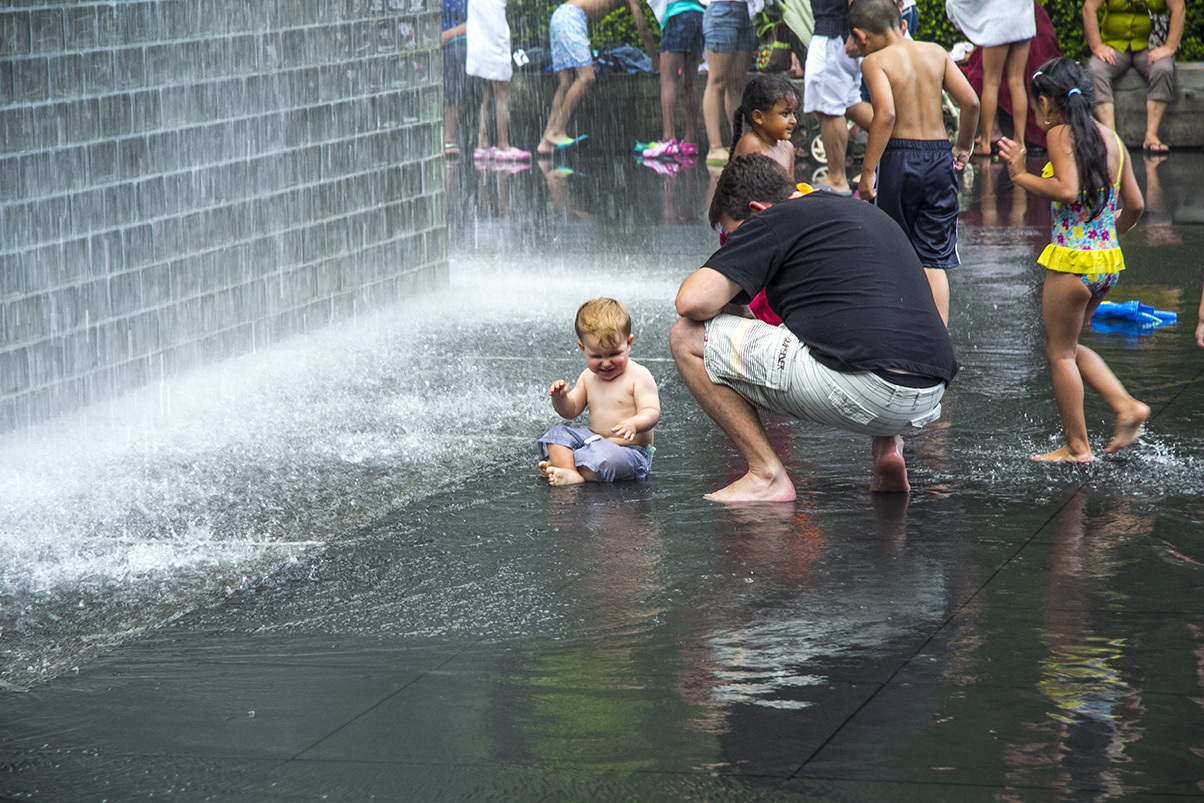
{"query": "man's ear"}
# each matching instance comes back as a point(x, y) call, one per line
point(758, 206)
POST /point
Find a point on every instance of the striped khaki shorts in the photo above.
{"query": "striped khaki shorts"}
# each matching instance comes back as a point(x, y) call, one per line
point(768, 366)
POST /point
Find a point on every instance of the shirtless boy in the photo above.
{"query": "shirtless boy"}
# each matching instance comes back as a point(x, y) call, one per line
point(909, 169)
point(622, 400)
point(573, 61)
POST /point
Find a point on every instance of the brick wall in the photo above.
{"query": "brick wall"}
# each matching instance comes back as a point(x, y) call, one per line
point(184, 181)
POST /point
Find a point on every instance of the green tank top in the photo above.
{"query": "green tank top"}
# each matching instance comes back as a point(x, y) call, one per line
point(1125, 25)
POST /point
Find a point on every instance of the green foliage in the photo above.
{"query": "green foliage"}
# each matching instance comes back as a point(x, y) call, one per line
point(529, 26)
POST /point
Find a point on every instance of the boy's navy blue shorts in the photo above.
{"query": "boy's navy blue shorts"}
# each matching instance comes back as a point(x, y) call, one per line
point(683, 34)
point(917, 186)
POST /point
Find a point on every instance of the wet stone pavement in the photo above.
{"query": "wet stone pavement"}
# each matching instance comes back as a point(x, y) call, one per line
point(1009, 631)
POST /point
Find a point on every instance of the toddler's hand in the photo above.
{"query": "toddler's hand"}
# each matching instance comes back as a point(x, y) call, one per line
point(624, 429)
point(559, 388)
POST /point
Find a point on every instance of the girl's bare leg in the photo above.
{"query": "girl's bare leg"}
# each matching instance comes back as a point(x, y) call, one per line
point(483, 116)
point(670, 63)
point(1064, 300)
point(501, 116)
point(713, 97)
point(1017, 62)
point(689, 88)
point(994, 58)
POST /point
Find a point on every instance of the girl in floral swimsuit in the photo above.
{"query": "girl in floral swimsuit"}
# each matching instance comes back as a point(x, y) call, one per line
point(1088, 168)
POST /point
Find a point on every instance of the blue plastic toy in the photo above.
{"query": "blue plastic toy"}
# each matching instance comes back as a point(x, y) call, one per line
point(1130, 317)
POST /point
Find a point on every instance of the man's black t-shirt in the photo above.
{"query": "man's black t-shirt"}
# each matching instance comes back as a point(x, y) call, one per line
point(845, 280)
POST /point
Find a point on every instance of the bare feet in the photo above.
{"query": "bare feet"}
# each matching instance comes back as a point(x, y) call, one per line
point(562, 476)
point(1063, 455)
point(717, 156)
point(756, 488)
point(890, 470)
point(544, 465)
point(1155, 145)
point(1128, 427)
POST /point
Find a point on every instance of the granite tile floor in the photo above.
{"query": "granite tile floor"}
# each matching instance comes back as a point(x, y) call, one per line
point(1008, 631)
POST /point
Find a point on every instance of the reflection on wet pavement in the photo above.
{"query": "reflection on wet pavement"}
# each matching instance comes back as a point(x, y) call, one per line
point(1009, 632)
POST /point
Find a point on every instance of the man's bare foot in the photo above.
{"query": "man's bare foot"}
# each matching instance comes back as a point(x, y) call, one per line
point(1063, 455)
point(756, 488)
point(563, 476)
point(1128, 427)
point(890, 470)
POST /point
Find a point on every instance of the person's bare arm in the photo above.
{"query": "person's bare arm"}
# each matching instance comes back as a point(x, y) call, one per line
point(569, 403)
point(1130, 195)
point(963, 94)
point(704, 294)
point(1063, 186)
point(1091, 32)
point(1174, 32)
point(641, 28)
point(452, 33)
point(647, 406)
point(882, 98)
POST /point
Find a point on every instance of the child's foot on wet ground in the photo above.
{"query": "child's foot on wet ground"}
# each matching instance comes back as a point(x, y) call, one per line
point(1064, 455)
point(1128, 427)
point(561, 476)
point(717, 156)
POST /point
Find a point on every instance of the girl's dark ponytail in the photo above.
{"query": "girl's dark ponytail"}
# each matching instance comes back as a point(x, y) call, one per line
point(1067, 86)
point(737, 126)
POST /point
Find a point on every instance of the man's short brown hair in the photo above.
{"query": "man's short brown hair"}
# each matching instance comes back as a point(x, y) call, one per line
point(746, 179)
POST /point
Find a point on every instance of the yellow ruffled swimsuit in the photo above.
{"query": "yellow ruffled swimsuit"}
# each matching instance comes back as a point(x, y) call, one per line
point(1079, 244)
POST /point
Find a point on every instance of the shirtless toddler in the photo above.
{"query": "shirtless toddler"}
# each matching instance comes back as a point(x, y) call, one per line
point(622, 400)
point(908, 143)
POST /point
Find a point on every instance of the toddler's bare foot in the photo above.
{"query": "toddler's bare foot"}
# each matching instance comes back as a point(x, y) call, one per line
point(1128, 427)
point(890, 470)
point(544, 465)
point(563, 476)
point(1064, 455)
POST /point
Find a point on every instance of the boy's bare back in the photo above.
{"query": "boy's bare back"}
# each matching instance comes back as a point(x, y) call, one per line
point(914, 74)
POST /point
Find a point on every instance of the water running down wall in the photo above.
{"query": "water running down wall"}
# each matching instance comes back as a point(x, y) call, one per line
point(182, 182)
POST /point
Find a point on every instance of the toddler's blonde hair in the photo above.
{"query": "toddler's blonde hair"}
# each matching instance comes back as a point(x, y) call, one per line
point(604, 319)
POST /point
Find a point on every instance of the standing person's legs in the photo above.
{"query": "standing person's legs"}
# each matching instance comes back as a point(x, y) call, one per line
point(766, 479)
point(483, 115)
point(718, 67)
point(670, 64)
point(834, 132)
point(1017, 67)
point(501, 94)
point(574, 83)
point(994, 60)
point(689, 88)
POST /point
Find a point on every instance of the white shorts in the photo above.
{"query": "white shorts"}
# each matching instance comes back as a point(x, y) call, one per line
point(770, 368)
point(831, 80)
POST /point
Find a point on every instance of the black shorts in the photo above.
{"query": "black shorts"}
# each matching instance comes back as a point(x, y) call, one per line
point(917, 186)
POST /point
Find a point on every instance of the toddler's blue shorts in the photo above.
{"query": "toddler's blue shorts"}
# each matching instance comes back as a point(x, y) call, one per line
point(610, 462)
